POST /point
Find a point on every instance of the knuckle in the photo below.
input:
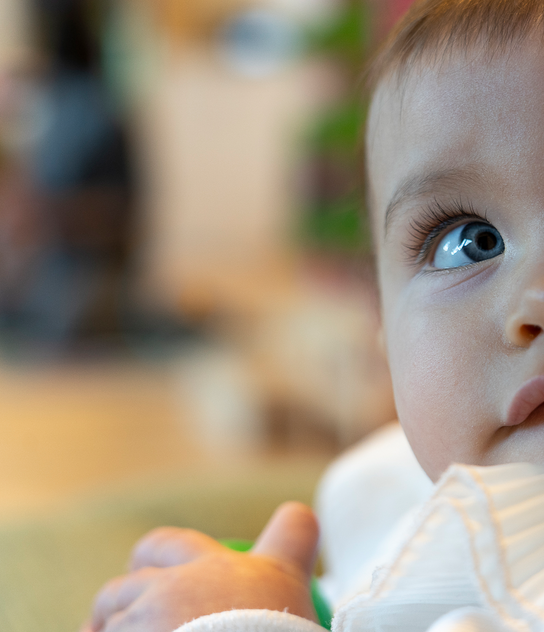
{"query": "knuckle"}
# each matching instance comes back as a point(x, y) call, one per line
point(106, 602)
point(169, 546)
point(161, 534)
point(108, 591)
point(158, 539)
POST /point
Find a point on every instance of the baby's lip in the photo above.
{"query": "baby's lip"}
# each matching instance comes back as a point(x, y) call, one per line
point(529, 397)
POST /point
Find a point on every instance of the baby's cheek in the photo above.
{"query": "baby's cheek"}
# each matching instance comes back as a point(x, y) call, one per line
point(435, 384)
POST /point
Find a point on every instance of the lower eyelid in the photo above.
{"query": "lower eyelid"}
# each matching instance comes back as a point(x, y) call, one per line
point(451, 278)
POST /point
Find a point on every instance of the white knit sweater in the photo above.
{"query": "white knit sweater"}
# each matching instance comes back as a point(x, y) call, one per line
point(467, 557)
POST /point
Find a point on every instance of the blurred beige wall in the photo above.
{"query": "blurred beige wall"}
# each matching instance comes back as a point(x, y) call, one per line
point(219, 153)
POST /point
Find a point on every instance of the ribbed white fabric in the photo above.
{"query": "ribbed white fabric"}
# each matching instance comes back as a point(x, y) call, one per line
point(468, 620)
point(477, 542)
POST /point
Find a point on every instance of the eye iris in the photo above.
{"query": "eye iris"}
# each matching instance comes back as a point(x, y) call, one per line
point(482, 241)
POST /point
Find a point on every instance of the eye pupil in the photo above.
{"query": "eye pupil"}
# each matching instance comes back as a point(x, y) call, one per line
point(486, 241)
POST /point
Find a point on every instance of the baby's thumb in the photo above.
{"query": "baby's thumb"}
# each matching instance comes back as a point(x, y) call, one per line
point(291, 535)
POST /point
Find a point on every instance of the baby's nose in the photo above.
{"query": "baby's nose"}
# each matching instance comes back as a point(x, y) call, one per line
point(527, 320)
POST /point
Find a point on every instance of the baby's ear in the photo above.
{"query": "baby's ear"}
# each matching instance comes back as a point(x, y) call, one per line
point(291, 535)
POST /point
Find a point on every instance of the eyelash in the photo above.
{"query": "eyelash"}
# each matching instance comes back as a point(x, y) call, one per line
point(430, 225)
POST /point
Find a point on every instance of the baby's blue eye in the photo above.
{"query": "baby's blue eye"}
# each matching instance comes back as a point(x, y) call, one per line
point(466, 244)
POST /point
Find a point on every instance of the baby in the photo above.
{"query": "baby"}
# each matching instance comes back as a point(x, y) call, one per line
point(455, 154)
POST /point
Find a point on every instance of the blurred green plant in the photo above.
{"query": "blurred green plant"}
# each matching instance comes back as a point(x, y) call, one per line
point(334, 217)
point(347, 36)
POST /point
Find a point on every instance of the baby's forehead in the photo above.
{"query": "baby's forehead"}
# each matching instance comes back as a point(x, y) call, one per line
point(468, 109)
point(407, 98)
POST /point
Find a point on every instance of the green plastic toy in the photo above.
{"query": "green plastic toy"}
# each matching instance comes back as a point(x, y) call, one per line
point(322, 608)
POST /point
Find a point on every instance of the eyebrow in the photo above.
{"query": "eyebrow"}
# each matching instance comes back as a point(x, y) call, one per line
point(414, 186)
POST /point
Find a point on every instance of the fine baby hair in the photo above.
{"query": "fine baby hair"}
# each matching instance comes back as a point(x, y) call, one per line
point(432, 28)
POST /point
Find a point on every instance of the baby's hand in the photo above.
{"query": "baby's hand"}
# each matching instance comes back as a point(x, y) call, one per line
point(178, 575)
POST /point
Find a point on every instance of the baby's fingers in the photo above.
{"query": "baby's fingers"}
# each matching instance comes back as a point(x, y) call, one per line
point(169, 546)
point(117, 595)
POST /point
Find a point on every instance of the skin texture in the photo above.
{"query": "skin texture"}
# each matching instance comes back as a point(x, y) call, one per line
point(461, 342)
point(179, 574)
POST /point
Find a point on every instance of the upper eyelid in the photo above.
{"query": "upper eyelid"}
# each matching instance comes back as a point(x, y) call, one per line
point(424, 250)
point(423, 184)
point(430, 222)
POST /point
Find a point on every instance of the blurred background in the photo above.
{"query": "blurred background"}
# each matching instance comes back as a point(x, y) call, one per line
point(188, 321)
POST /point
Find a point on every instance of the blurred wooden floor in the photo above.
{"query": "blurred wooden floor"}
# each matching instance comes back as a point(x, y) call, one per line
point(72, 428)
point(76, 429)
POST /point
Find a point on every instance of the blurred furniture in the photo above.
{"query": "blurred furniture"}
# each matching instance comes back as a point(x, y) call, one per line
point(189, 19)
point(67, 177)
point(305, 344)
point(319, 356)
point(15, 40)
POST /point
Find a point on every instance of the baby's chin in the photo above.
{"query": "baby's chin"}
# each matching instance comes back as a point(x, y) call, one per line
point(512, 444)
point(519, 444)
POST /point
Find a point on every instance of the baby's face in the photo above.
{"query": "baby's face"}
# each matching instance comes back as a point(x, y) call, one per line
point(456, 177)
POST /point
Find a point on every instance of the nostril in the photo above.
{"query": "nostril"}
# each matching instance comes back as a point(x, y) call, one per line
point(530, 332)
